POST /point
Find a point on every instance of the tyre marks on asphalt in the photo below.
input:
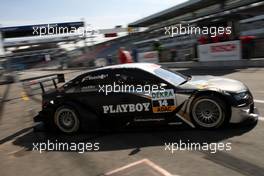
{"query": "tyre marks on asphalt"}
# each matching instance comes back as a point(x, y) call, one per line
point(226, 160)
point(237, 164)
point(82, 164)
point(15, 135)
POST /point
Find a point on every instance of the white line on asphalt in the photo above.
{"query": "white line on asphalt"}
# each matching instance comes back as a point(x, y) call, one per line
point(146, 161)
point(259, 101)
point(261, 118)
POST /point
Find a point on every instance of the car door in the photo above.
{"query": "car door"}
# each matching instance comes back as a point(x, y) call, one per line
point(102, 91)
point(153, 98)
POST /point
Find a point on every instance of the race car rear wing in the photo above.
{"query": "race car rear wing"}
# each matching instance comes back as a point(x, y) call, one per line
point(43, 82)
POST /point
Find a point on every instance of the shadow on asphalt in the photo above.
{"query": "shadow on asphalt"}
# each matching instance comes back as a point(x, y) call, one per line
point(130, 139)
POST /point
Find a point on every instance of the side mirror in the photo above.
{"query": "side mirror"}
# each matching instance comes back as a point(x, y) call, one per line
point(163, 84)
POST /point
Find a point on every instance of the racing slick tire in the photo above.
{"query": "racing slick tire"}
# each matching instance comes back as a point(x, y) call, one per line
point(209, 112)
point(67, 119)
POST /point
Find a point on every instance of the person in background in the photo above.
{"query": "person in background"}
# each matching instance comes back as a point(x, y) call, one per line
point(124, 56)
point(173, 55)
point(247, 46)
point(135, 54)
point(203, 40)
point(109, 59)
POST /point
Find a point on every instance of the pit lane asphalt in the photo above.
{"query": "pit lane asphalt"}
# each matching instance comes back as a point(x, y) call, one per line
point(121, 148)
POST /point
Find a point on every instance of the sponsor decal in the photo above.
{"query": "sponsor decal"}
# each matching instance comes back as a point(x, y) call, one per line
point(163, 101)
point(223, 51)
point(121, 108)
point(150, 57)
point(102, 76)
point(223, 48)
point(88, 89)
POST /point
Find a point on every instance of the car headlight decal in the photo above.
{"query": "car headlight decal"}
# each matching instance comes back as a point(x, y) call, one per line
point(241, 96)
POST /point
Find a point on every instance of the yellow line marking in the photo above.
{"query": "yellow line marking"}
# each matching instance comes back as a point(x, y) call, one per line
point(24, 96)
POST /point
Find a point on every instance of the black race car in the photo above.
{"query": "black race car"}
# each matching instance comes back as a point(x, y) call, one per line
point(127, 94)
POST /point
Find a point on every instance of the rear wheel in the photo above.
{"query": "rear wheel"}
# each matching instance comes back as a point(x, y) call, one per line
point(208, 112)
point(66, 119)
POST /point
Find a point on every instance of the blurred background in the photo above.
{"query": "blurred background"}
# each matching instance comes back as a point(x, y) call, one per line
point(144, 38)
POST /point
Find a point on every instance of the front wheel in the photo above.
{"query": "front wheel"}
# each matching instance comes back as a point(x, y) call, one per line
point(208, 112)
point(66, 119)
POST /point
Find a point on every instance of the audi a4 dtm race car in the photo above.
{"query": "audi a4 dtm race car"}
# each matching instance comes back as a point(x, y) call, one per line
point(127, 94)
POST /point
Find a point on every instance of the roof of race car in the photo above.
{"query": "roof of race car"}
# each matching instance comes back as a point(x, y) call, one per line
point(143, 66)
point(149, 67)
